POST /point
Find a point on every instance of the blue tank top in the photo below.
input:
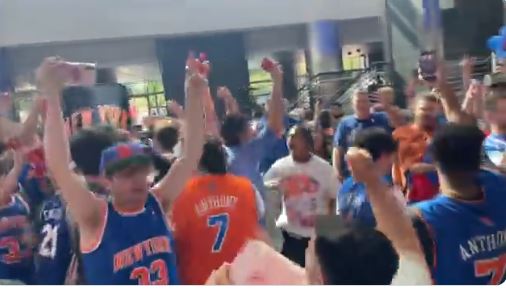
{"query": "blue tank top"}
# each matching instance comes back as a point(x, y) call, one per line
point(16, 252)
point(134, 250)
point(469, 237)
point(55, 249)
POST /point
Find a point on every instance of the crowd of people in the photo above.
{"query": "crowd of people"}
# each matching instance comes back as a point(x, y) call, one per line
point(382, 196)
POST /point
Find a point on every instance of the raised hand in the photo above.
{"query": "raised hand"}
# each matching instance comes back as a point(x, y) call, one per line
point(441, 74)
point(221, 276)
point(223, 93)
point(196, 78)
point(475, 91)
point(361, 165)
point(273, 68)
point(51, 76)
point(468, 64)
point(174, 108)
point(171, 185)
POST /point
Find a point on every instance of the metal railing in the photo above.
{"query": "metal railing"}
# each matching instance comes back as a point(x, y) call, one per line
point(343, 83)
point(482, 67)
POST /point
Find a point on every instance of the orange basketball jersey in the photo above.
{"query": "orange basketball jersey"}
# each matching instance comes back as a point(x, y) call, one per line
point(212, 219)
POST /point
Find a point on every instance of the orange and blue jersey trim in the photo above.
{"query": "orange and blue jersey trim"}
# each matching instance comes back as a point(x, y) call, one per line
point(94, 243)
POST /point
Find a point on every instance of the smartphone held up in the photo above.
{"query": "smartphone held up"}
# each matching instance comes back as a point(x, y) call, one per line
point(427, 66)
point(81, 73)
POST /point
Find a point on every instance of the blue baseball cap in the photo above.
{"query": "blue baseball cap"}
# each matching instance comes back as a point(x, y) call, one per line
point(124, 155)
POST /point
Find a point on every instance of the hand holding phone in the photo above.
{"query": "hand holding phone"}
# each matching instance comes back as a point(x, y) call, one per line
point(427, 66)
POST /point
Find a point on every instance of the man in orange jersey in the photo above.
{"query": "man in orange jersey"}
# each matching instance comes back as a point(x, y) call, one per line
point(213, 217)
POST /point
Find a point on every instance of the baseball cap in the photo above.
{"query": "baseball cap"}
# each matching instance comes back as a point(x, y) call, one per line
point(124, 155)
point(495, 79)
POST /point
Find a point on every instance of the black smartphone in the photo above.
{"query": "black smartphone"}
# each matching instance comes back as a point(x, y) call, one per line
point(427, 66)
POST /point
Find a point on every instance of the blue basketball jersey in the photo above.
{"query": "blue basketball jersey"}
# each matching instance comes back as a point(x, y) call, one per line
point(469, 237)
point(55, 248)
point(353, 204)
point(16, 253)
point(134, 250)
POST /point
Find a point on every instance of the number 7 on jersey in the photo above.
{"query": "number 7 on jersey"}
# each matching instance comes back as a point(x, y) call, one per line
point(220, 220)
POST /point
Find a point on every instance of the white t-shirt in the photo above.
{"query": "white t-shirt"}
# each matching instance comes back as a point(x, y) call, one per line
point(306, 189)
point(412, 271)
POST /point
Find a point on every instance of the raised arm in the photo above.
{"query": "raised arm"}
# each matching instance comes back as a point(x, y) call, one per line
point(450, 101)
point(391, 216)
point(211, 126)
point(175, 109)
point(317, 110)
point(10, 183)
point(467, 70)
point(231, 105)
point(395, 116)
point(29, 127)
point(84, 206)
point(173, 183)
point(468, 103)
point(277, 107)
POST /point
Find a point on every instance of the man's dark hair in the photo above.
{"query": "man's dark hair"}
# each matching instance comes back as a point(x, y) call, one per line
point(306, 134)
point(86, 147)
point(214, 157)
point(358, 256)
point(106, 76)
point(336, 104)
point(325, 119)
point(308, 115)
point(376, 141)
point(167, 137)
point(257, 114)
point(233, 126)
point(457, 148)
point(162, 166)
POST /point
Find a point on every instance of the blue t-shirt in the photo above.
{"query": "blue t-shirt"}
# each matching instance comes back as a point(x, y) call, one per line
point(244, 160)
point(469, 237)
point(279, 149)
point(494, 147)
point(348, 128)
point(353, 203)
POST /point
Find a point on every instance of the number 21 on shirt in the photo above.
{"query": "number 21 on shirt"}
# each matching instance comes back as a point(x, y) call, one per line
point(49, 242)
point(221, 221)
